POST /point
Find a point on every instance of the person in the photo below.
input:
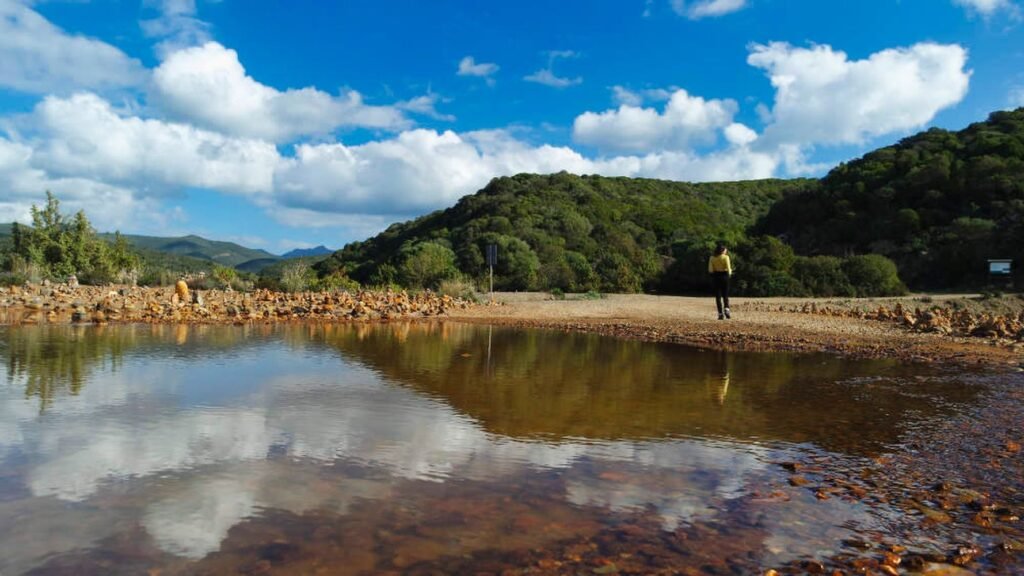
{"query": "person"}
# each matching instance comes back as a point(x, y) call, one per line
point(720, 269)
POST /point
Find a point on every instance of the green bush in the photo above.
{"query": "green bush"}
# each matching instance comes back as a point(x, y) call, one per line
point(873, 275)
point(426, 265)
point(822, 276)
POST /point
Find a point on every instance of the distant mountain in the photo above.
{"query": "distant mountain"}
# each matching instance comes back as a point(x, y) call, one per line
point(223, 253)
point(320, 250)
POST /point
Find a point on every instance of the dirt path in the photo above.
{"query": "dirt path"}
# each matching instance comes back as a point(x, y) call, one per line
point(693, 321)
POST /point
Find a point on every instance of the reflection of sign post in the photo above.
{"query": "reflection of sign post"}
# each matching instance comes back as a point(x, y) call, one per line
point(492, 260)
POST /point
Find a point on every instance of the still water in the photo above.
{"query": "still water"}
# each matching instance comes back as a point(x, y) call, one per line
point(424, 448)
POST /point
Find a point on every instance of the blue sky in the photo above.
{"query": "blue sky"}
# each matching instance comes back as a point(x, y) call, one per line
point(324, 122)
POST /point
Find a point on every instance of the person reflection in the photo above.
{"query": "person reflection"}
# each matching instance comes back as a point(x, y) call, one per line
point(717, 378)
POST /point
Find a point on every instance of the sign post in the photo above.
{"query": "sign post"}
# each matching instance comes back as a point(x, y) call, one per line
point(1001, 270)
point(492, 259)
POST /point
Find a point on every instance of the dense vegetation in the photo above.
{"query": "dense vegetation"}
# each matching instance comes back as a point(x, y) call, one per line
point(58, 247)
point(938, 204)
point(565, 232)
point(590, 233)
point(930, 210)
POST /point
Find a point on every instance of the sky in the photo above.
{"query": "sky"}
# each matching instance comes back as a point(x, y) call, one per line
point(288, 125)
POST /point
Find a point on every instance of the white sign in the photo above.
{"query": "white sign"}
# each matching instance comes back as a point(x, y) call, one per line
point(1000, 267)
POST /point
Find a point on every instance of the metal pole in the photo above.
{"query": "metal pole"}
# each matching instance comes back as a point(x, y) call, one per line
point(492, 283)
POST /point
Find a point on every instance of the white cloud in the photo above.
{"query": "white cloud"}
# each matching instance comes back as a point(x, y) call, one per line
point(208, 85)
point(177, 25)
point(707, 8)
point(987, 8)
point(469, 67)
point(685, 121)
point(1016, 98)
point(422, 170)
point(739, 134)
point(823, 97)
point(624, 95)
point(425, 105)
point(547, 76)
point(36, 56)
point(84, 136)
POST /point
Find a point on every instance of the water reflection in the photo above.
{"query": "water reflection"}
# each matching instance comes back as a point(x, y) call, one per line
point(181, 437)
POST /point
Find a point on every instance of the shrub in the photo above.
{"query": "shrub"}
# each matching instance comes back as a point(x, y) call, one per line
point(296, 277)
point(458, 287)
point(873, 275)
point(822, 276)
point(426, 265)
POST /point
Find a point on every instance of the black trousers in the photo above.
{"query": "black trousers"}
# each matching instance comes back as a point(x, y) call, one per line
point(720, 280)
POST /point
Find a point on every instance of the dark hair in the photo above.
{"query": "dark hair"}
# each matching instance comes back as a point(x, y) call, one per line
point(720, 249)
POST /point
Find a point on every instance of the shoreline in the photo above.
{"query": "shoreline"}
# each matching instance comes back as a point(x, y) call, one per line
point(692, 321)
point(762, 325)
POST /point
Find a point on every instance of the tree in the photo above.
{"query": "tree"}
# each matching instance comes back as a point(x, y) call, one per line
point(426, 264)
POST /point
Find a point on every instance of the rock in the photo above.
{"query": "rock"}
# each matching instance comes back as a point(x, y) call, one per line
point(936, 569)
point(181, 291)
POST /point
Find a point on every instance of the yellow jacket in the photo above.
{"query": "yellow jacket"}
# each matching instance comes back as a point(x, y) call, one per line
point(720, 264)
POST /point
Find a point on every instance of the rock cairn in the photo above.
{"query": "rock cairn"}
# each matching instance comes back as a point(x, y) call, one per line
point(938, 320)
point(60, 304)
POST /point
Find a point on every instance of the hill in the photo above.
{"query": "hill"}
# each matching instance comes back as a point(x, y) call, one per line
point(574, 233)
point(320, 250)
point(224, 253)
point(939, 204)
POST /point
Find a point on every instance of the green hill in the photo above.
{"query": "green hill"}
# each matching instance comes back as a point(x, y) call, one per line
point(939, 204)
point(575, 233)
point(223, 253)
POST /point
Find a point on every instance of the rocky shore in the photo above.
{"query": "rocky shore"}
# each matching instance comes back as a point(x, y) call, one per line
point(1004, 329)
point(91, 304)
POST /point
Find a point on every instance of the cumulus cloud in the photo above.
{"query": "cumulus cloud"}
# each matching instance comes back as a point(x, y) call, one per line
point(208, 85)
point(109, 207)
point(547, 76)
point(707, 8)
point(685, 121)
point(38, 57)
point(422, 170)
point(824, 97)
point(84, 136)
point(468, 66)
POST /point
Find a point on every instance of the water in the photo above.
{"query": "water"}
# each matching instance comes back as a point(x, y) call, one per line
point(427, 447)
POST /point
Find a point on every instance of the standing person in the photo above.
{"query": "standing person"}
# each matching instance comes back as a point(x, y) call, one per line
point(720, 269)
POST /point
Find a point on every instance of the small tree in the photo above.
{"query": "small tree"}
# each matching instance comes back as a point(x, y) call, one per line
point(426, 264)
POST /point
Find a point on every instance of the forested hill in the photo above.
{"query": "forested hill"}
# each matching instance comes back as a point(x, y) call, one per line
point(939, 204)
point(563, 231)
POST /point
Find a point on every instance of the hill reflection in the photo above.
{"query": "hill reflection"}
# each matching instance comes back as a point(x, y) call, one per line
point(547, 384)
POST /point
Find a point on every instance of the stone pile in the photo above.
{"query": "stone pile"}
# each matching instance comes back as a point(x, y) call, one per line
point(934, 320)
point(64, 303)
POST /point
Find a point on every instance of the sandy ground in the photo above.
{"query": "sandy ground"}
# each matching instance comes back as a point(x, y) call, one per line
point(690, 320)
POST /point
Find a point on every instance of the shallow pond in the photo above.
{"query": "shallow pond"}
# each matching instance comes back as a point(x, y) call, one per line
point(429, 448)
